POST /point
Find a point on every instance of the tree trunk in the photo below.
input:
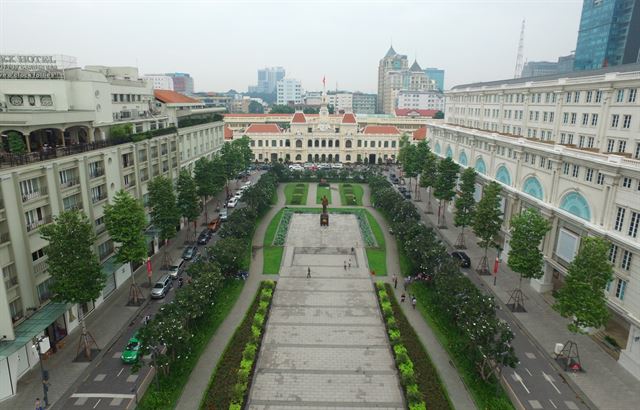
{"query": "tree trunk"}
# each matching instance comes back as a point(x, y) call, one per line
point(86, 340)
point(429, 210)
point(460, 241)
point(206, 216)
point(135, 294)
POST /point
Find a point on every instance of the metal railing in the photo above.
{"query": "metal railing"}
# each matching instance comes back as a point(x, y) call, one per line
point(36, 224)
point(96, 172)
point(69, 183)
point(98, 198)
point(11, 160)
point(41, 191)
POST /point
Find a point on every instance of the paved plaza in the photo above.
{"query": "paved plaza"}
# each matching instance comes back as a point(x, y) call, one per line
point(325, 344)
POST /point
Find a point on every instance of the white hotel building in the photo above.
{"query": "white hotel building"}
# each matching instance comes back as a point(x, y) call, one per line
point(568, 145)
point(79, 168)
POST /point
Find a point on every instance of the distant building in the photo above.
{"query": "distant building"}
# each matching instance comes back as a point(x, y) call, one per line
point(565, 63)
point(182, 82)
point(159, 81)
point(364, 103)
point(341, 101)
point(289, 90)
point(538, 68)
point(609, 34)
point(313, 98)
point(437, 75)
point(268, 78)
point(420, 100)
point(214, 99)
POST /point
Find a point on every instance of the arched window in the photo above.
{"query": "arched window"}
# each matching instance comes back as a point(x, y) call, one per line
point(336, 158)
point(298, 157)
point(348, 158)
point(503, 175)
point(462, 159)
point(449, 152)
point(298, 143)
point(316, 158)
point(323, 158)
point(437, 148)
point(330, 143)
point(337, 144)
point(347, 144)
point(330, 157)
point(480, 166)
point(576, 204)
point(533, 187)
point(324, 143)
point(309, 158)
point(316, 143)
point(309, 143)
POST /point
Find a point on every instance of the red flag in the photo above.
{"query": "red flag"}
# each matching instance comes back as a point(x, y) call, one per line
point(148, 267)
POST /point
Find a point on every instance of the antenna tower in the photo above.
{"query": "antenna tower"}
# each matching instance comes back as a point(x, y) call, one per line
point(519, 59)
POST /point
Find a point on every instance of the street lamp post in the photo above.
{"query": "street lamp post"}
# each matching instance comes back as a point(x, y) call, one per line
point(43, 373)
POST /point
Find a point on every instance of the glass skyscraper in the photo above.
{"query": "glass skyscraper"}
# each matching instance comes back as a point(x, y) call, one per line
point(609, 34)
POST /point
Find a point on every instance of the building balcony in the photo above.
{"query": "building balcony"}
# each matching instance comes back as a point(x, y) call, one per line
point(40, 268)
point(41, 191)
point(74, 206)
point(101, 229)
point(98, 198)
point(70, 183)
point(96, 172)
point(37, 224)
point(4, 238)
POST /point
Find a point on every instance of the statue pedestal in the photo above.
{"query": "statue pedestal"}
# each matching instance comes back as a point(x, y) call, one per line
point(324, 219)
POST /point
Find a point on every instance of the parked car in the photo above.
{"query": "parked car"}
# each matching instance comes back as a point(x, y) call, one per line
point(175, 269)
point(324, 165)
point(223, 215)
point(232, 202)
point(406, 194)
point(402, 189)
point(307, 165)
point(214, 225)
point(296, 167)
point(462, 258)
point(204, 236)
point(131, 352)
point(161, 287)
point(337, 165)
point(189, 252)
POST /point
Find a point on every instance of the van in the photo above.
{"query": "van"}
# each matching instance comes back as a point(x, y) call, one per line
point(175, 268)
point(161, 287)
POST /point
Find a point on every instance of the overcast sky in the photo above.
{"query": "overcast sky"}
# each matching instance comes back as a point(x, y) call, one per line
point(222, 43)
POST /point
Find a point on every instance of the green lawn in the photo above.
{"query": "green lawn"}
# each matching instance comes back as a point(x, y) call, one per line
point(322, 191)
point(351, 194)
point(171, 385)
point(377, 256)
point(296, 193)
point(272, 255)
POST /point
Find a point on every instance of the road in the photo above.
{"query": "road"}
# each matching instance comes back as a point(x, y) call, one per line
point(535, 382)
point(111, 383)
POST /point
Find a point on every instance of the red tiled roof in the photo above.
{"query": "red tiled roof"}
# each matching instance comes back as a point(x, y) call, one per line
point(381, 129)
point(349, 118)
point(409, 112)
point(299, 118)
point(263, 128)
point(172, 97)
point(228, 133)
point(420, 134)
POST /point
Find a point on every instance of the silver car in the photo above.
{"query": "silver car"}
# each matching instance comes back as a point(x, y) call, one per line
point(161, 287)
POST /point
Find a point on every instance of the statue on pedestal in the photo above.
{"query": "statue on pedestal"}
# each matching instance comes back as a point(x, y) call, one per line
point(324, 216)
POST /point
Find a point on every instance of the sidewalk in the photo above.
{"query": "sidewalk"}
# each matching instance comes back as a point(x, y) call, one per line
point(105, 323)
point(604, 382)
point(199, 378)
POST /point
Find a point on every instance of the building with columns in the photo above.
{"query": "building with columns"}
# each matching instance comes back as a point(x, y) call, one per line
point(71, 163)
point(568, 145)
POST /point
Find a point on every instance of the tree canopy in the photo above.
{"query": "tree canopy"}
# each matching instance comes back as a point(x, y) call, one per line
point(488, 217)
point(281, 109)
point(255, 107)
point(125, 221)
point(465, 203)
point(527, 231)
point(165, 214)
point(188, 202)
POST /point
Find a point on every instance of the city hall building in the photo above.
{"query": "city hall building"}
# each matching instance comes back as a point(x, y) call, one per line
point(64, 119)
point(568, 145)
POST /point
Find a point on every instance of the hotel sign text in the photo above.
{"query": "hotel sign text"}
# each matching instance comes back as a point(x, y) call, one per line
point(29, 67)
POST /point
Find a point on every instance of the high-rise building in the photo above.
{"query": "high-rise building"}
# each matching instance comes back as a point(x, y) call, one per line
point(268, 78)
point(395, 75)
point(364, 103)
point(420, 100)
point(288, 90)
point(538, 68)
point(568, 145)
point(609, 34)
point(341, 101)
point(437, 75)
point(182, 82)
point(160, 81)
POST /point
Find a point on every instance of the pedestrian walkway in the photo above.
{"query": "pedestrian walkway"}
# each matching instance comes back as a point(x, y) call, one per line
point(607, 384)
point(313, 191)
point(335, 194)
point(325, 343)
point(199, 378)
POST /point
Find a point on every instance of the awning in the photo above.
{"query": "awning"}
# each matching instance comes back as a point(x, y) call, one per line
point(33, 326)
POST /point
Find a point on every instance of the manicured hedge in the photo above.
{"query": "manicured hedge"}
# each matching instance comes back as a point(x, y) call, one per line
point(419, 378)
point(351, 194)
point(231, 381)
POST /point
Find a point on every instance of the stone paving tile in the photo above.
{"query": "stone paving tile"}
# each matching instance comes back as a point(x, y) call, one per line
point(305, 230)
point(324, 285)
point(325, 335)
point(318, 358)
point(310, 298)
point(324, 315)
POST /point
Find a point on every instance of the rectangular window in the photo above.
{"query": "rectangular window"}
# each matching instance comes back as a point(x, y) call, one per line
point(622, 285)
point(636, 155)
point(565, 169)
point(620, 96)
point(567, 245)
point(626, 123)
point(574, 117)
point(633, 226)
point(632, 95)
point(600, 179)
point(614, 120)
point(589, 95)
point(590, 142)
point(626, 260)
point(594, 120)
point(576, 97)
point(613, 253)
point(588, 175)
point(619, 219)
point(581, 141)
point(585, 119)
point(576, 170)
point(622, 146)
point(598, 96)
point(611, 145)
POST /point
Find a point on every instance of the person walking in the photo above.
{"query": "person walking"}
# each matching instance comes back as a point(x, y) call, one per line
point(402, 297)
point(349, 264)
point(413, 302)
point(38, 405)
point(395, 281)
point(308, 272)
point(345, 265)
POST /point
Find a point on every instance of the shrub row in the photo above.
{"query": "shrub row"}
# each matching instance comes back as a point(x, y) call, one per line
point(230, 383)
point(408, 377)
point(299, 194)
point(349, 195)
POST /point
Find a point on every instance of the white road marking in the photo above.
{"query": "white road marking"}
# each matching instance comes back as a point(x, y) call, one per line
point(530, 355)
point(98, 402)
point(102, 395)
point(528, 371)
point(517, 378)
point(550, 380)
point(120, 372)
point(553, 404)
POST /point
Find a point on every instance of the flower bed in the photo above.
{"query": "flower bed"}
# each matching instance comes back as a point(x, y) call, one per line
point(351, 194)
point(230, 383)
point(418, 376)
point(296, 193)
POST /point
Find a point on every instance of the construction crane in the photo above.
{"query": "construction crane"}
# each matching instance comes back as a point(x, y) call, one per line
point(519, 59)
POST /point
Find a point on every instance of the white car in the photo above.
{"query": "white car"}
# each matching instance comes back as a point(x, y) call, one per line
point(337, 165)
point(223, 215)
point(324, 165)
point(232, 202)
point(308, 165)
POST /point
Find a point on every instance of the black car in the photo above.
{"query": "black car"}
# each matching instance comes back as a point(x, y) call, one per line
point(406, 194)
point(204, 237)
point(462, 258)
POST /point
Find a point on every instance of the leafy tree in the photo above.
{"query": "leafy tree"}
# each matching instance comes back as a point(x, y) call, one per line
point(121, 132)
point(165, 214)
point(227, 254)
point(243, 145)
point(439, 115)
point(465, 203)
point(444, 186)
point(281, 109)
point(330, 108)
point(487, 221)
point(582, 297)
point(16, 143)
point(188, 203)
point(203, 175)
point(527, 231)
point(310, 110)
point(125, 221)
point(428, 175)
point(75, 271)
point(255, 107)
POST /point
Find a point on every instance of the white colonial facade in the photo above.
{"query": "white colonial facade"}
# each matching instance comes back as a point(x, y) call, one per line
point(71, 163)
point(569, 146)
